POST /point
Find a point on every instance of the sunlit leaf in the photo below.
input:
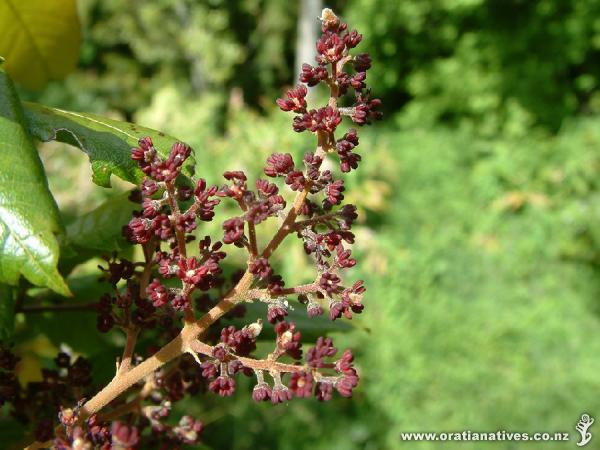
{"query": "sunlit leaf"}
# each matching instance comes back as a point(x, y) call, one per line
point(39, 39)
point(29, 217)
point(107, 142)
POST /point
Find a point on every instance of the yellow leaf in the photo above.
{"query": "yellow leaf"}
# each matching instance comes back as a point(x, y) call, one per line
point(39, 39)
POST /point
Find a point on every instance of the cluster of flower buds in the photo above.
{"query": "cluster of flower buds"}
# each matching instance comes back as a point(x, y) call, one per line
point(75, 434)
point(39, 402)
point(162, 220)
point(172, 284)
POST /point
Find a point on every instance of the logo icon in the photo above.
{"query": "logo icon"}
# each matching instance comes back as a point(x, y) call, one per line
point(582, 426)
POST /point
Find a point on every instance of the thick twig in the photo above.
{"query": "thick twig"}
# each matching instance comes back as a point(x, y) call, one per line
point(130, 406)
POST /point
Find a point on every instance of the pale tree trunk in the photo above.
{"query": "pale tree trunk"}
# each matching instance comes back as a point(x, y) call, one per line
point(309, 12)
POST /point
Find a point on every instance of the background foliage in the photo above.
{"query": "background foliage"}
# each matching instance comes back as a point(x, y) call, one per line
point(479, 199)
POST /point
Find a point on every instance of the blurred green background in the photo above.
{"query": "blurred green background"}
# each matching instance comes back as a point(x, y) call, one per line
point(478, 195)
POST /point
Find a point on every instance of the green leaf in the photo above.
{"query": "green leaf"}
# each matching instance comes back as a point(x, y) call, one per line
point(29, 217)
point(107, 142)
point(39, 39)
point(100, 229)
point(7, 312)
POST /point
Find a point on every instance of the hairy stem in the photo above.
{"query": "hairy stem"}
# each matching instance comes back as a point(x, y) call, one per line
point(265, 293)
point(125, 364)
point(172, 350)
point(257, 364)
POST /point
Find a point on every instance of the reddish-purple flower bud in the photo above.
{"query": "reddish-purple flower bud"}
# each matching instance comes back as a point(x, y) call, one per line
point(343, 258)
point(279, 164)
point(261, 392)
point(265, 188)
point(276, 313)
point(345, 363)
point(139, 230)
point(235, 175)
point(260, 267)
point(334, 194)
point(163, 229)
point(209, 369)
point(191, 271)
point(301, 384)
point(329, 282)
point(157, 293)
point(303, 122)
point(314, 310)
point(323, 348)
point(365, 109)
point(330, 48)
point(358, 81)
point(219, 352)
point(313, 164)
point(352, 39)
point(289, 339)
point(362, 62)
point(326, 119)
point(296, 100)
point(179, 153)
point(348, 141)
point(124, 436)
point(347, 383)
point(180, 302)
point(295, 180)
point(234, 230)
point(324, 391)
point(224, 386)
point(349, 161)
point(150, 208)
point(170, 168)
point(243, 342)
point(203, 205)
point(313, 75)
point(343, 81)
point(347, 216)
point(149, 187)
point(144, 154)
point(280, 394)
point(186, 222)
